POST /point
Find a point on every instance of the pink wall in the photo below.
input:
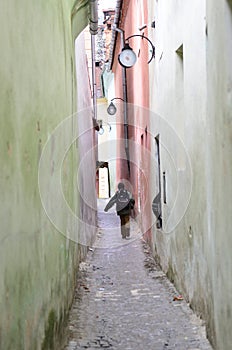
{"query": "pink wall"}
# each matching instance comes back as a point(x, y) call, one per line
point(134, 15)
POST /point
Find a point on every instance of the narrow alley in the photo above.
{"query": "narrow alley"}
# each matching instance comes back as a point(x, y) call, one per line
point(101, 99)
point(124, 301)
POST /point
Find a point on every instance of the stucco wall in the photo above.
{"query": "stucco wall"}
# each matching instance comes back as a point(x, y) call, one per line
point(192, 95)
point(37, 263)
point(133, 17)
point(178, 84)
point(87, 145)
point(219, 165)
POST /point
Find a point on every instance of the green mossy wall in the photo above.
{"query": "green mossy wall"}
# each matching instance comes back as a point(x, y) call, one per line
point(38, 91)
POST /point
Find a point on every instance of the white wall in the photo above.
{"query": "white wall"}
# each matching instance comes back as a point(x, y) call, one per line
point(107, 142)
point(87, 146)
point(219, 165)
point(178, 89)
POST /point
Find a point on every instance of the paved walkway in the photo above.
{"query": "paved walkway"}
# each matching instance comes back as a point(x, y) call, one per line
point(123, 301)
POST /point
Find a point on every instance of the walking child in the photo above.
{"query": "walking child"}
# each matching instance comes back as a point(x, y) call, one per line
point(124, 203)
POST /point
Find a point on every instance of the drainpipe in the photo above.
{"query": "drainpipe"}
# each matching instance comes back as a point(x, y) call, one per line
point(93, 28)
point(125, 111)
point(93, 18)
point(94, 85)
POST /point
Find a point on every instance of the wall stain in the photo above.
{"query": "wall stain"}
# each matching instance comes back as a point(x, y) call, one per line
point(9, 149)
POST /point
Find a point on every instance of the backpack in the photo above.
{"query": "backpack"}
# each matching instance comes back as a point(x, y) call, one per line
point(123, 199)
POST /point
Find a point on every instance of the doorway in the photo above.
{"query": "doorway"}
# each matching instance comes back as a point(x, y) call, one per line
point(103, 180)
point(156, 204)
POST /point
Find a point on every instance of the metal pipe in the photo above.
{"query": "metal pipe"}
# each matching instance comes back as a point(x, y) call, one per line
point(94, 84)
point(93, 18)
point(125, 111)
point(93, 28)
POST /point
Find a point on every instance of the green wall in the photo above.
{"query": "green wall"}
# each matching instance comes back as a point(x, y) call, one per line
point(37, 91)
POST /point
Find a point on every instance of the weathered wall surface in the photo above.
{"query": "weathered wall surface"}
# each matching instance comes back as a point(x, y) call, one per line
point(87, 145)
point(219, 165)
point(37, 263)
point(191, 85)
point(134, 16)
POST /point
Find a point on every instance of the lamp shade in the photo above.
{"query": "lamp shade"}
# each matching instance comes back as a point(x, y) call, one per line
point(111, 109)
point(101, 131)
point(127, 58)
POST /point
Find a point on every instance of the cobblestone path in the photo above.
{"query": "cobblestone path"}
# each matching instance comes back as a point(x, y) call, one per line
point(124, 301)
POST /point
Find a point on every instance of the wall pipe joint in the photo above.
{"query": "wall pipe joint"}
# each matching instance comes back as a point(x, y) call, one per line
point(93, 18)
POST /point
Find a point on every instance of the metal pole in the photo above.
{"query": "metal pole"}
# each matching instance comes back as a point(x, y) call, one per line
point(125, 111)
point(94, 85)
point(93, 28)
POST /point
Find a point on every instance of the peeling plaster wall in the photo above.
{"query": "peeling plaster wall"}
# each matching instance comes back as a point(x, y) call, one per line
point(37, 77)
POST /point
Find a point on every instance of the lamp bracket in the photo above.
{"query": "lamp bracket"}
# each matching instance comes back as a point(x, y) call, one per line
point(117, 98)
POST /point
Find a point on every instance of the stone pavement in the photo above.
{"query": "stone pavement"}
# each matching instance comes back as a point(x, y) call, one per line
point(124, 301)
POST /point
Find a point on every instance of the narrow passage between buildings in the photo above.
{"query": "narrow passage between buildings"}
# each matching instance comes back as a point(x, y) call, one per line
point(124, 301)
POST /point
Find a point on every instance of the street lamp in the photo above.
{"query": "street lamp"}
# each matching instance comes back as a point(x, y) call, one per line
point(111, 109)
point(127, 57)
point(101, 129)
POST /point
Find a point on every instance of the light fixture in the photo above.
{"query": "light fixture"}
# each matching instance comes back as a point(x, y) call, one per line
point(127, 58)
point(95, 124)
point(111, 109)
point(101, 129)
